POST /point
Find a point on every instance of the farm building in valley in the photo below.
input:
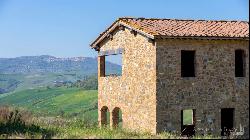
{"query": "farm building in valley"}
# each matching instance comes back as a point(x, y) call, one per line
point(172, 66)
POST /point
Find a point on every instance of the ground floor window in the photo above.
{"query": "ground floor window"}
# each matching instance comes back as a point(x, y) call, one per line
point(105, 116)
point(188, 122)
point(117, 117)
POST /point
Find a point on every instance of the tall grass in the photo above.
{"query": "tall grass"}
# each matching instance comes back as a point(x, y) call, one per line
point(15, 122)
point(22, 124)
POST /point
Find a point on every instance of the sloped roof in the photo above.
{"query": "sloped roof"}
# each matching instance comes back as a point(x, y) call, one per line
point(174, 28)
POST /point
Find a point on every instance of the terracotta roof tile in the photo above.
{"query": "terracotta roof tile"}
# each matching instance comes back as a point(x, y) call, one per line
point(183, 28)
point(198, 28)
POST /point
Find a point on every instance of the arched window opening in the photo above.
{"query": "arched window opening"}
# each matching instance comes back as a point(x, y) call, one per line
point(117, 118)
point(105, 116)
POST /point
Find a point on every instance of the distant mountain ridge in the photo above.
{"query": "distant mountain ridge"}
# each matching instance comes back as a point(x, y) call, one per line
point(47, 63)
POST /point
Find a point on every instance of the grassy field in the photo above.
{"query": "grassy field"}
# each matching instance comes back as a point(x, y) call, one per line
point(10, 82)
point(22, 124)
point(63, 102)
point(64, 113)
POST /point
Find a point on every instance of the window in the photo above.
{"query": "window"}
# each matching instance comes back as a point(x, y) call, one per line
point(102, 66)
point(111, 65)
point(239, 63)
point(187, 63)
point(188, 122)
point(188, 117)
point(117, 117)
point(227, 121)
point(105, 115)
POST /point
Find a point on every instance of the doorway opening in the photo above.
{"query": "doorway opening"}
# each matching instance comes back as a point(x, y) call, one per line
point(227, 121)
point(188, 122)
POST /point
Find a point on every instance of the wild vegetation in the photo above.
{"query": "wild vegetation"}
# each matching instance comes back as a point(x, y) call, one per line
point(58, 113)
point(22, 124)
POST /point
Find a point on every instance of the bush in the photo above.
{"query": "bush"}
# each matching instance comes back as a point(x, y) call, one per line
point(88, 83)
point(14, 122)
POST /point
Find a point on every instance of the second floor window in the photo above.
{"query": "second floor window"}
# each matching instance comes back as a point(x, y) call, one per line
point(111, 65)
point(239, 63)
point(187, 63)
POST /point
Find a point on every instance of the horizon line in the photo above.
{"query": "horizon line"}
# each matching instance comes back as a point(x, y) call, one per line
point(50, 56)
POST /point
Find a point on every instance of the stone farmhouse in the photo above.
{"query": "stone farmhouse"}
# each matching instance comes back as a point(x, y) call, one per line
point(171, 67)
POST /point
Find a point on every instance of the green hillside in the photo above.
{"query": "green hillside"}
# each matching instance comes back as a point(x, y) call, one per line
point(10, 82)
point(56, 107)
point(64, 102)
point(18, 82)
point(31, 72)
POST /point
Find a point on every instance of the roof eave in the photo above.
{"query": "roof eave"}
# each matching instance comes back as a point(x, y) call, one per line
point(94, 45)
point(100, 38)
point(137, 30)
point(201, 37)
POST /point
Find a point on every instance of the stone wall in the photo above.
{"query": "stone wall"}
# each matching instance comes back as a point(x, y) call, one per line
point(135, 91)
point(151, 92)
point(214, 87)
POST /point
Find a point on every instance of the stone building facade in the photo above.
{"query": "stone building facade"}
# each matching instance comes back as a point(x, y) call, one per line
point(155, 87)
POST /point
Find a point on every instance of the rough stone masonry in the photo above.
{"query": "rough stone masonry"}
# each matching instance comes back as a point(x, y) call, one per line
point(169, 66)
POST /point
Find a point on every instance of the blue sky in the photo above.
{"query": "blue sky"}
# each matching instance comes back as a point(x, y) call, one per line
point(65, 28)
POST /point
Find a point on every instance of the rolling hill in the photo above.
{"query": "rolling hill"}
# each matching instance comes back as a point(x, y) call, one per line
point(29, 72)
point(50, 64)
point(64, 102)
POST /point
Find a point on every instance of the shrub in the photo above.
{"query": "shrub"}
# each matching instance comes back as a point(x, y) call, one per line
point(14, 122)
